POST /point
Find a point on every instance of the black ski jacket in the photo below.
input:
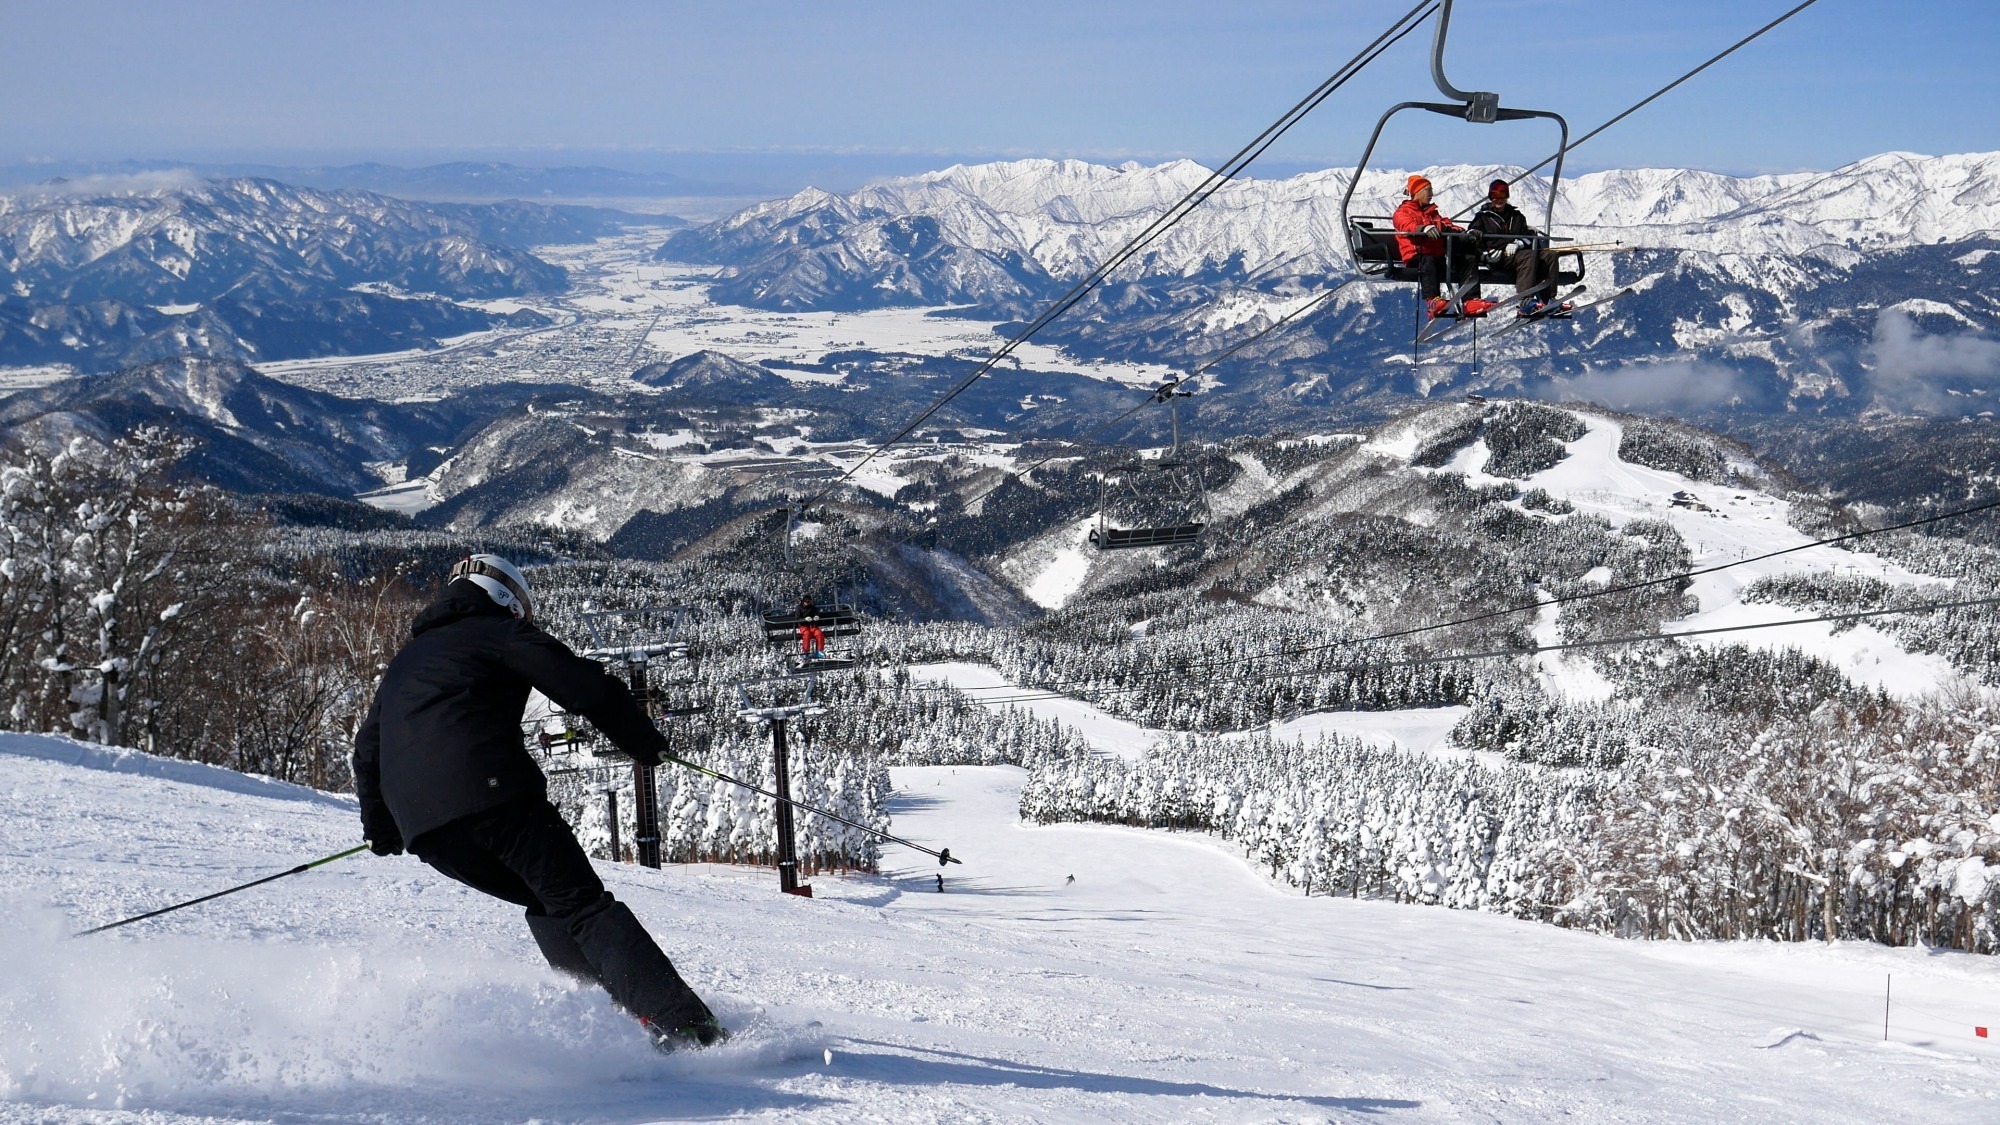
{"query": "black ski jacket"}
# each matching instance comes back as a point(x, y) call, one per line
point(443, 738)
point(1491, 222)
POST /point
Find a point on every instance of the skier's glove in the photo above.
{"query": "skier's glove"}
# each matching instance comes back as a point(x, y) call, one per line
point(390, 844)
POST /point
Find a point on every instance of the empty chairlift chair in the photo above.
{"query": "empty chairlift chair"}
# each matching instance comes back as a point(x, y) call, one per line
point(1161, 503)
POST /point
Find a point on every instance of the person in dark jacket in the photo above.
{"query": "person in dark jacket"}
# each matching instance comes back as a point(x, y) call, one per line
point(1421, 242)
point(1503, 227)
point(440, 767)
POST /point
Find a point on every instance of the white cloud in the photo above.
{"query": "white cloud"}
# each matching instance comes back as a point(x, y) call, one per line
point(133, 183)
point(1670, 385)
point(1909, 367)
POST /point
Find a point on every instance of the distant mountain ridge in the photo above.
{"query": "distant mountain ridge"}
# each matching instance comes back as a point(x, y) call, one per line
point(1867, 287)
point(255, 269)
point(1058, 218)
point(254, 434)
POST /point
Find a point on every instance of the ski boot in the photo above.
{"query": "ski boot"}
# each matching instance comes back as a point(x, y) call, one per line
point(704, 1032)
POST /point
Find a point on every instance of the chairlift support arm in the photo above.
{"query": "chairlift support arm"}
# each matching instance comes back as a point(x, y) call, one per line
point(1481, 106)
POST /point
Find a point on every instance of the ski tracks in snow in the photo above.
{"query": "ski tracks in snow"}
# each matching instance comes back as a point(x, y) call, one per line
point(1166, 981)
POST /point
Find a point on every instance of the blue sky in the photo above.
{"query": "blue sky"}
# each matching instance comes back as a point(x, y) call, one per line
point(912, 84)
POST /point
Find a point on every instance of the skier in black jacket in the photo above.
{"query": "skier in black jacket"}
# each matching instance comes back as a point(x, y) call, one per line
point(440, 763)
point(1502, 223)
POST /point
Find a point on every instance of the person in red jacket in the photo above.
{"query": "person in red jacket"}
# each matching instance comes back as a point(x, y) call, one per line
point(1420, 239)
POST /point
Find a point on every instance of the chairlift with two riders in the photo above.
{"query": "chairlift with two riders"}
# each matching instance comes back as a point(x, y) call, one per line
point(1371, 239)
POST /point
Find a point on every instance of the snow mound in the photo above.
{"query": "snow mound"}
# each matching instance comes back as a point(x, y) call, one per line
point(115, 759)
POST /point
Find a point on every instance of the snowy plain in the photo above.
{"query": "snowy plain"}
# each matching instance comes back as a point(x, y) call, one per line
point(1169, 981)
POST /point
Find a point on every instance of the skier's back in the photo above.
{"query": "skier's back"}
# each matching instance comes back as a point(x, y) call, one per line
point(440, 763)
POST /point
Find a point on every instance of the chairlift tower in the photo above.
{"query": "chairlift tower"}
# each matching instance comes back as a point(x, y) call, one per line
point(777, 702)
point(636, 638)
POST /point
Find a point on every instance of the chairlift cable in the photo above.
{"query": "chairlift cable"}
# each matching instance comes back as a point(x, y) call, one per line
point(1153, 396)
point(943, 856)
point(1587, 595)
point(1656, 95)
point(1214, 182)
point(1036, 695)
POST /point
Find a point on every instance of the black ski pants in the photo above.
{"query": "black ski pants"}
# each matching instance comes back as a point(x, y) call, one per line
point(1461, 256)
point(524, 853)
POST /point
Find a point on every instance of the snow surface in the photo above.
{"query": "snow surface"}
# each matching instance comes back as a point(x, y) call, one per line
point(408, 497)
point(1419, 730)
point(1168, 982)
point(1052, 567)
point(1742, 523)
point(1106, 733)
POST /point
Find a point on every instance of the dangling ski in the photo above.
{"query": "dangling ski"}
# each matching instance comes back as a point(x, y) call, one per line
point(1450, 320)
point(1555, 311)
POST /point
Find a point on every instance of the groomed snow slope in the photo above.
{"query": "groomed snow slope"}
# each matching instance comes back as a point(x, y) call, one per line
point(1168, 982)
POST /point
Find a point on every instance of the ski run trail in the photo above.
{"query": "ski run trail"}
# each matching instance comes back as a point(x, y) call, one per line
point(1169, 981)
point(1066, 973)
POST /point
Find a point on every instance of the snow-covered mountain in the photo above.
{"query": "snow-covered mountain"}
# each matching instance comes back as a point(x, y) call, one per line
point(253, 268)
point(711, 374)
point(1821, 292)
point(255, 434)
point(1065, 216)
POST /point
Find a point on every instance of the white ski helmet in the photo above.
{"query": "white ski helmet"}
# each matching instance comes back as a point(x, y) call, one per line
point(502, 581)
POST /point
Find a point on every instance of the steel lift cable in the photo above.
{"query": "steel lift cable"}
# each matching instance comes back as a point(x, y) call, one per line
point(1676, 577)
point(1499, 653)
point(1656, 95)
point(1314, 100)
point(1155, 395)
point(1215, 181)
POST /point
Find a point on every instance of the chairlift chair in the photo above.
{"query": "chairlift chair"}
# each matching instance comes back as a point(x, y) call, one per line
point(837, 622)
point(785, 629)
point(1167, 497)
point(1371, 239)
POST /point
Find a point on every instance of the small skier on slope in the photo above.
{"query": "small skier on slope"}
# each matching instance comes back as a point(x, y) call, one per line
point(439, 764)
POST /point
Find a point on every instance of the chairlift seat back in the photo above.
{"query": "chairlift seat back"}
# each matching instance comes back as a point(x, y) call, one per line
point(1377, 255)
point(782, 628)
point(1123, 538)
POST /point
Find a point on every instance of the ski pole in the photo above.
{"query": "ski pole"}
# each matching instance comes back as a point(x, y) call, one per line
point(246, 886)
point(944, 856)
